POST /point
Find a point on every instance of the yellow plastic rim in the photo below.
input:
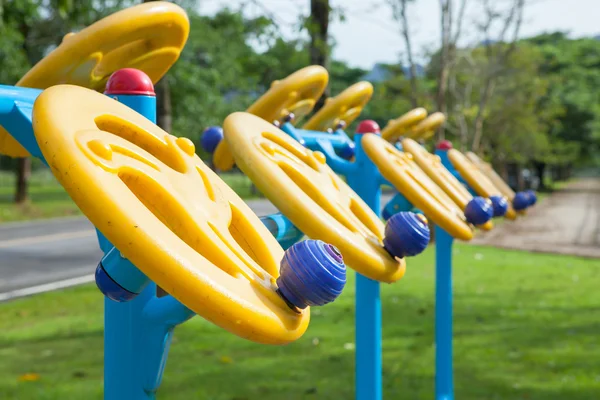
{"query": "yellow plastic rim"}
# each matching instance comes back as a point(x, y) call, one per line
point(167, 212)
point(492, 175)
point(346, 107)
point(301, 185)
point(435, 170)
point(476, 179)
point(402, 172)
point(148, 37)
point(426, 128)
point(398, 127)
point(298, 94)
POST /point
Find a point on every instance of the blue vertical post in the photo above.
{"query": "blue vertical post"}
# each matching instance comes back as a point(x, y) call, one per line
point(366, 182)
point(444, 381)
point(127, 335)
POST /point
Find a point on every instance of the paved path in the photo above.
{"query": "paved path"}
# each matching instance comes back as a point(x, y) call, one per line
point(567, 222)
point(49, 254)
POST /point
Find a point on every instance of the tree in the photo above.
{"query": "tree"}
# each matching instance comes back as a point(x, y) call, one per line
point(318, 28)
point(37, 26)
point(451, 32)
point(399, 8)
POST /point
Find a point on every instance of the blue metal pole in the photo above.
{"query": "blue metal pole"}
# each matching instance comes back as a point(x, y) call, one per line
point(444, 385)
point(366, 182)
point(135, 347)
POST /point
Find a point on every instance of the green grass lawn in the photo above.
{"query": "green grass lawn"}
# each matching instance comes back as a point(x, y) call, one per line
point(526, 327)
point(48, 199)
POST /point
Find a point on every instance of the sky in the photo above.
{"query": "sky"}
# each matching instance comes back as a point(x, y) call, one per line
point(369, 34)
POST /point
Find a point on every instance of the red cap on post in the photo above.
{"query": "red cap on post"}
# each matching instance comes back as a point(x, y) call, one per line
point(129, 81)
point(444, 145)
point(368, 126)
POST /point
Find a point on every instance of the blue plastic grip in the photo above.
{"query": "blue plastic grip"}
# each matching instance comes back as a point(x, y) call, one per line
point(211, 137)
point(521, 201)
point(406, 234)
point(313, 273)
point(479, 211)
point(499, 205)
point(532, 197)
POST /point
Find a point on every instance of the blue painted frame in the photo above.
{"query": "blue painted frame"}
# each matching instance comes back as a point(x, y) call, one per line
point(137, 333)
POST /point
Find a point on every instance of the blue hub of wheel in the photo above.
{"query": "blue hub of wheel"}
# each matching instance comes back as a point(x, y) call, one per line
point(110, 288)
point(479, 211)
point(499, 205)
point(521, 201)
point(312, 273)
point(348, 151)
point(406, 234)
point(211, 137)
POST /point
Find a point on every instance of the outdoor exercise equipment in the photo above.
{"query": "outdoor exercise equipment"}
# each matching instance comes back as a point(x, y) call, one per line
point(175, 225)
point(399, 127)
point(299, 183)
point(522, 199)
point(467, 172)
point(291, 98)
point(377, 162)
point(185, 242)
point(458, 164)
point(266, 156)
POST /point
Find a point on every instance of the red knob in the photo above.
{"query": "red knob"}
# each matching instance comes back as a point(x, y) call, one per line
point(444, 145)
point(368, 126)
point(129, 81)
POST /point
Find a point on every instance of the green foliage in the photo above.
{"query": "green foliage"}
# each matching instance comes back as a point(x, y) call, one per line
point(573, 68)
point(544, 106)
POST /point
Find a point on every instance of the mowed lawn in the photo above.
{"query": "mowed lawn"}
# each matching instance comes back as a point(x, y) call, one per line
point(527, 327)
point(49, 200)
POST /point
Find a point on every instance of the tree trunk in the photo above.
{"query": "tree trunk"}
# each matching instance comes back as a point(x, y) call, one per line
point(319, 45)
point(23, 170)
point(23, 174)
point(520, 181)
point(163, 104)
point(409, 55)
point(540, 169)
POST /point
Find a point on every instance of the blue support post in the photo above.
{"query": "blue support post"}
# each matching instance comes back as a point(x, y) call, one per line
point(365, 179)
point(444, 381)
point(137, 333)
point(366, 182)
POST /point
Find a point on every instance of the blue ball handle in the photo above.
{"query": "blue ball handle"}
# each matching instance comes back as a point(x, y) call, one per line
point(479, 211)
point(499, 205)
point(521, 201)
point(312, 273)
point(211, 137)
point(532, 197)
point(406, 234)
point(110, 288)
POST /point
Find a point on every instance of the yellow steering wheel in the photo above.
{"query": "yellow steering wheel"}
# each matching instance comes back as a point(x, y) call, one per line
point(398, 127)
point(297, 94)
point(433, 167)
point(427, 127)
point(492, 175)
point(476, 179)
point(167, 212)
point(148, 37)
point(343, 108)
point(402, 172)
point(303, 187)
